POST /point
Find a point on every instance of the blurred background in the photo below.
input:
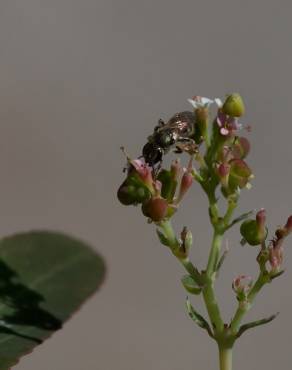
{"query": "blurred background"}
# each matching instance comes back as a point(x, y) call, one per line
point(78, 79)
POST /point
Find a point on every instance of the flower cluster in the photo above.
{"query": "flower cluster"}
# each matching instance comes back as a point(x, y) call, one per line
point(159, 194)
point(217, 154)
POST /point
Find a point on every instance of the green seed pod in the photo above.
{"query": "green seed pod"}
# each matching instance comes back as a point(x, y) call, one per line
point(133, 191)
point(233, 106)
point(250, 231)
point(125, 194)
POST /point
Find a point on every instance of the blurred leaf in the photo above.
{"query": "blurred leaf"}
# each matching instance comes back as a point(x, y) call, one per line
point(44, 278)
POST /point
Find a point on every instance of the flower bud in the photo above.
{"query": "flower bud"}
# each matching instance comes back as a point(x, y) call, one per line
point(186, 183)
point(255, 231)
point(233, 106)
point(241, 286)
point(155, 208)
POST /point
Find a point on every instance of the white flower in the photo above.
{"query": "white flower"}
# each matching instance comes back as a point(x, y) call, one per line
point(201, 102)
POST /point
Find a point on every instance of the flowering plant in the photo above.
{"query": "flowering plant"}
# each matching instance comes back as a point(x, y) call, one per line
point(217, 162)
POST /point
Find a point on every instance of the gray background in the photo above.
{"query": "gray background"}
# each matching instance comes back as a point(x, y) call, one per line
point(80, 78)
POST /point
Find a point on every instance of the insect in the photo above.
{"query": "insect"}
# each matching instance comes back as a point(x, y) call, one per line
point(178, 133)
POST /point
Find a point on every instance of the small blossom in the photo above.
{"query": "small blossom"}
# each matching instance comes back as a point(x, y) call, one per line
point(227, 124)
point(199, 102)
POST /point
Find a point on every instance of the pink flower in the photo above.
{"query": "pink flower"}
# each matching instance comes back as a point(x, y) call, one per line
point(227, 124)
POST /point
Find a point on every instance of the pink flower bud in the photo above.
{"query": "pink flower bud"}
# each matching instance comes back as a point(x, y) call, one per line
point(186, 183)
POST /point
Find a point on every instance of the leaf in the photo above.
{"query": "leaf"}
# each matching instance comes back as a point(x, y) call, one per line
point(221, 260)
point(44, 278)
point(190, 285)
point(240, 218)
point(254, 324)
point(197, 318)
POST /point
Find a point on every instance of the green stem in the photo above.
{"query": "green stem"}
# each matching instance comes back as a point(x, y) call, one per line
point(212, 307)
point(225, 356)
point(214, 253)
point(231, 207)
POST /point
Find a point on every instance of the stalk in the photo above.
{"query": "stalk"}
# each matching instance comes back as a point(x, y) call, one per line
point(225, 358)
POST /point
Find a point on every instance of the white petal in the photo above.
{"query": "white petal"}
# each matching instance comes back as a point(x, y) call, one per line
point(194, 103)
point(218, 102)
point(206, 101)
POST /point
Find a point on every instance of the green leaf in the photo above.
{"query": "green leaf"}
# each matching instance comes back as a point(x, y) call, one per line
point(254, 324)
point(242, 217)
point(221, 260)
point(44, 278)
point(197, 318)
point(190, 285)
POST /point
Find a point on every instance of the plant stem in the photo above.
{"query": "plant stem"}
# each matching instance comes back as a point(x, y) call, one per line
point(225, 356)
point(214, 253)
point(213, 308)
